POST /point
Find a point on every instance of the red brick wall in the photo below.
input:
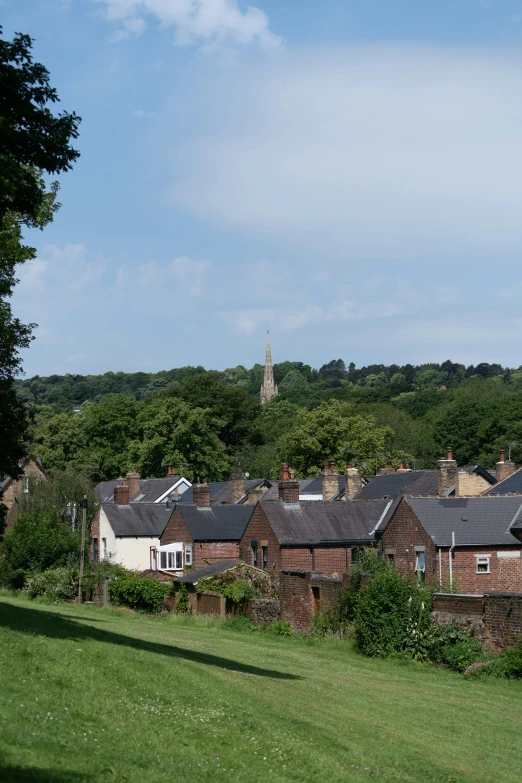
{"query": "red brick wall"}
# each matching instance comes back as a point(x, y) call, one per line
point(259, 529)
point(210, 603)
point(328, 592)
point(503, 616)
point(403, 533)
point(203, 552)
point(296, 600)
point(329, 561)
point(506, 573)
point(458, 604)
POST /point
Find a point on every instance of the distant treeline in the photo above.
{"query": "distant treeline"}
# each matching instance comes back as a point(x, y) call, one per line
point(203, 421)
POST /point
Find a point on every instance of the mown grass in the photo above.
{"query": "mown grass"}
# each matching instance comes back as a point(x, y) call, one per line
point(90, 694)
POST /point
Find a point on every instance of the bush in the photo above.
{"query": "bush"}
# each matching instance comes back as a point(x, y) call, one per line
point(137, 593)
point(54, 584)
point(182, 604)
point(452, 646)
point(393, 616)
point(508, 664)
point(280, 628)
point(330, 622)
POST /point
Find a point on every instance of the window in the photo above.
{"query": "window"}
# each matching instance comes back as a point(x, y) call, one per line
point(188, 555)
point(95, 551)
point(390, 555)
point(163, 560)
point(254, 556)
point(483, 564)
point(264, 550)
point(420, 563)
point(104, 544)
point(171, 558)
point(25, 484)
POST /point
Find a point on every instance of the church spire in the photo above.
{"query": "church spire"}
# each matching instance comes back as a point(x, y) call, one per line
point(269, 387)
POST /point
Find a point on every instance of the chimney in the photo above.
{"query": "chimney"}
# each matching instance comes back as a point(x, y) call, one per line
point(504, 467)
point(237, 485)
point(288, 487)
point(330, 477)
point(201, 494)
point(387, 469)
point(447, 473)
point(121, 494)
point(133, 482)
point(402, 469)
point(353, 482)
point(171, 471)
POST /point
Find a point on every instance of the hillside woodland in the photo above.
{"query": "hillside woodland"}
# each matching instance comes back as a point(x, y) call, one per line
point(203, 422)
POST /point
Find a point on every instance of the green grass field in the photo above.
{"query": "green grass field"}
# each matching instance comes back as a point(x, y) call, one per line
point(92, 694)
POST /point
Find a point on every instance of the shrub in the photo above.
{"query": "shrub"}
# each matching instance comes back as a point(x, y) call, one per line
point(280, 628)
point(329, 622)
point(54, 584)
point(137, 593)
point(513, 659)
point(182, 604)
point(393, 616)
point(452, 646)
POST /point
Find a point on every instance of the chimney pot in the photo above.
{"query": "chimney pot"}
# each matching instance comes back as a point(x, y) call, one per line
point(288, 486)
point(449, 454)
point(505, 467)
point(502, 456)
point(285, 473)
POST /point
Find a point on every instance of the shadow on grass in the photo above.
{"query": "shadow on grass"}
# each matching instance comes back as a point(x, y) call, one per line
point(12, 774)
point(56, 626)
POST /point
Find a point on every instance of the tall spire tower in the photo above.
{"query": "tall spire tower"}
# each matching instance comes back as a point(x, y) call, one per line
point(269, 387)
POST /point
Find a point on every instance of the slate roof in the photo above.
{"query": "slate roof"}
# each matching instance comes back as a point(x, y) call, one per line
point(320, 521)
point(476, 521)
point(314, 486)
point(217, 523)
point(512, 485)
point(151, 489)
point(138, 519)
point(220, 491)
point(215, 568)
point(421, 483)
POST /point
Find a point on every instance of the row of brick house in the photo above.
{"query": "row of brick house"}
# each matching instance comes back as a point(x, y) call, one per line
point(474, 542)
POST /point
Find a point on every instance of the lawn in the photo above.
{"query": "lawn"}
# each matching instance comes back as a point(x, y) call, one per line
point(89, 694)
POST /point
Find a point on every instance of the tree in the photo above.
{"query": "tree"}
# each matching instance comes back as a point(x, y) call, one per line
point(32, 141)
point(47, 531)
point(173, 433)
point(293, 380)
point(333, 431)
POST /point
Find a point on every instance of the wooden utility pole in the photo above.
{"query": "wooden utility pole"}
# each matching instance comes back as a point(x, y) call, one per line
point(83, 504)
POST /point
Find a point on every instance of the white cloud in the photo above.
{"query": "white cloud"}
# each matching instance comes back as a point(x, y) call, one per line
point(192, 274)
point(376, 153)
point(209, 22)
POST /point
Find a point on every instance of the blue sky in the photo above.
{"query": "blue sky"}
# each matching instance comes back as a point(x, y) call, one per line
point(348, 173)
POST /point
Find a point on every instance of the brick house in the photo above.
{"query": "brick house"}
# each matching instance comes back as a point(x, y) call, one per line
point(315, 536)
point(11, 489)
point(472, 543)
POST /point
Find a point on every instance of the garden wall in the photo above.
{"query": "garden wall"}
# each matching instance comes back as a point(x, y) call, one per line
point(496, 617)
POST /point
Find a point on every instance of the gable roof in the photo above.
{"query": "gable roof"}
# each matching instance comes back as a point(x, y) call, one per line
point(323, 522)
point(217, 523)
point(512, 485)
point(151, 490)
point(476, 521)
point(215, 568)
point(6, 480)
point(137, 519)
point(392, 485)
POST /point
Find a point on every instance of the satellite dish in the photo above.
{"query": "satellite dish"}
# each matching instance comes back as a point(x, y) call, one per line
point(247, 475)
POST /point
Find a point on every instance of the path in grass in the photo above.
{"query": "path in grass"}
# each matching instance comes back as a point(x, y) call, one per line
point(92, 694)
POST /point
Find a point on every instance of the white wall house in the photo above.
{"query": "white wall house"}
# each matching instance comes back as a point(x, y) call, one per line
point(128, 532)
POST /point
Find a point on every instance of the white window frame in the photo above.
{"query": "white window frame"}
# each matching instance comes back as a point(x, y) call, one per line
point(104, 547)
point(170, 557)
point(188, 555)
point(481, 560)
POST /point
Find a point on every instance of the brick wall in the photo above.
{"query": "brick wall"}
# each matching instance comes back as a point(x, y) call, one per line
point(329, 591)
point(403, 533)
point(327, 560)
point(203, 552)
point(296, 599)
point(458, 604)
point(505, 572)
point(259, 529)
point(503, 618)
point(210, 603)
point(470, 484)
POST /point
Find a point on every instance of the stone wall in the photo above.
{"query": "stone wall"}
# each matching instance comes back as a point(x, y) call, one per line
point(470, 484)
point(263, 611)
point(503, 618)
point(495, 618)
